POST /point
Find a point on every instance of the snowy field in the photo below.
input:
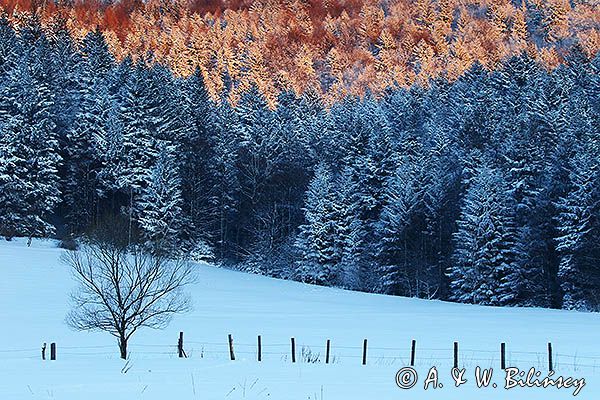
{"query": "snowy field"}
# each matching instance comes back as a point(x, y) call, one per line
point(34, 299)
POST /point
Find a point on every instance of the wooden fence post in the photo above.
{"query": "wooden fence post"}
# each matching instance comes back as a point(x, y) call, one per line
point(455, 354)
point(503, 355)
point(180, 345)
point(327, 352)
point(44, 351)
point(293, 350)
point(231, 354)
point(364, 355)
point(550, 368)
point(52, 351)
point(259, 349)
point(413, 346)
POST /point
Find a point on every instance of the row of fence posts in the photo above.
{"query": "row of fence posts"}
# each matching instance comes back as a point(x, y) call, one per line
point(413, 349)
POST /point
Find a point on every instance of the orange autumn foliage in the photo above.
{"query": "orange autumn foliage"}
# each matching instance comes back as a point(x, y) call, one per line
point(334, 47)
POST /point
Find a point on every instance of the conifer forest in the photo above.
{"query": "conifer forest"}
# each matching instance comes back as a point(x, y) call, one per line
point(437, 149)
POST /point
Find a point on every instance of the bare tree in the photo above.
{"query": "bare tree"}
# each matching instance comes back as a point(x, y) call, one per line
point(122, 289)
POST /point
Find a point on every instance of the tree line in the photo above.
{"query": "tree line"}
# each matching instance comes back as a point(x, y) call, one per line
point(481, 190)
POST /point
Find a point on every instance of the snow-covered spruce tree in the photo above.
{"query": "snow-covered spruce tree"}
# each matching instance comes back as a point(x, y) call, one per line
point(95, 54)
point(224, 189)
point(113, 174)
point(64, 61)
point(86, 140)
point(170, 120)
point(309, 120)
point(29, 159)
point(350, 232)
point(139, 119)
point(261, 160)
point(139, 110)
point(522, 148)
point(554, 121)
point(533, 232)
point(402, 201)
point(113, 159)
point(316, 242)
point(83, 162)
point(579, 234)
point(281, 150)
point(260, 146)
point(194, 151)
point(366, 161)
point(470, 110)
point(440, 183)
point(414, 231)
point(160, 216)
point(483, 257)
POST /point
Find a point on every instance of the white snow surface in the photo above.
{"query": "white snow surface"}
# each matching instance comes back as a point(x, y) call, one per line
point(34, 300)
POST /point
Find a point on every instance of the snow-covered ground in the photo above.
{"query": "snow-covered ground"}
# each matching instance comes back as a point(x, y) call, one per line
point(34, 299)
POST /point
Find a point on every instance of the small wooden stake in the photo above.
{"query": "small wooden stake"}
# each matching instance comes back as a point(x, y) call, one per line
point(231, 354)
point(327, 351)
point(455, 354)
point(413, 346)
point(550, 357)
point(503, 355)
point(364, 358)
point(293, 350)
point(52, 351)
point(259, 348)
point(180, 345)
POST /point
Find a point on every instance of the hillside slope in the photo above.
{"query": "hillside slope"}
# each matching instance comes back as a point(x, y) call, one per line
point(34, 293)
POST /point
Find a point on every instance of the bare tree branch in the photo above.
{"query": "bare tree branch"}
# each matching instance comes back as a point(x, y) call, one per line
point(121, 290)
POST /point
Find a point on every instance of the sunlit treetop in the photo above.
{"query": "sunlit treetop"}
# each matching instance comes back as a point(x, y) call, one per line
point(333, 47)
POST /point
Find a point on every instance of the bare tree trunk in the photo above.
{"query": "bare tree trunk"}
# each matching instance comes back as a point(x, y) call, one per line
point(123, 347)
